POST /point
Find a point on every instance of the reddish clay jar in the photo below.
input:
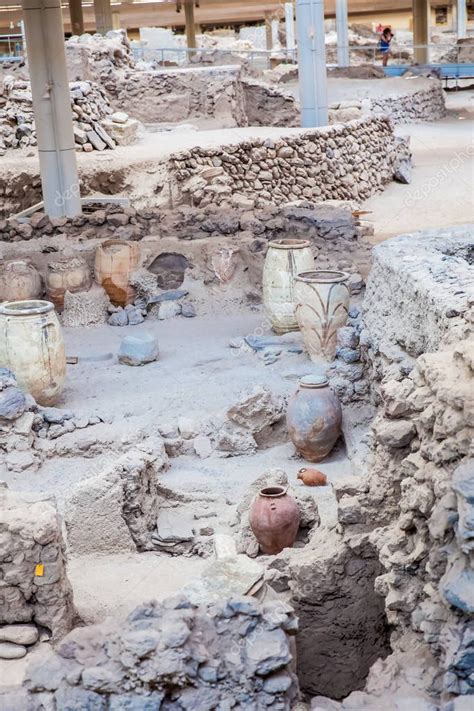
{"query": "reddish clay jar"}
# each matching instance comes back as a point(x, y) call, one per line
point(313, 418)
point(274, 519)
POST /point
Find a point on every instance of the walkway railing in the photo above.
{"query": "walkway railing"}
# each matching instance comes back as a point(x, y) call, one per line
point(262, 58)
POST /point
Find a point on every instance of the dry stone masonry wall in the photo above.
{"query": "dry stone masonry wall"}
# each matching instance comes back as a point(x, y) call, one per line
point(422, 105)
point(346, 162)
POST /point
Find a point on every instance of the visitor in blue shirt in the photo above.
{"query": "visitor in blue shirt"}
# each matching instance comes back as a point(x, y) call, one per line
point(384, 45)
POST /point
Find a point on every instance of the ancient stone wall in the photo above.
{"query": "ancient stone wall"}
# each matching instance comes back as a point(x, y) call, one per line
point(34, 587)
point(415, 502)
point(211, 94)
point(419, 496)
point(422, 105)
point(419, 294)
point(233, 654)
point(197, 233)
point(350, 161)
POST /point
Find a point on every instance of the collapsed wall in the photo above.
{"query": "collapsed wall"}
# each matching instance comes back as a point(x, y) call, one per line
point(89, 105)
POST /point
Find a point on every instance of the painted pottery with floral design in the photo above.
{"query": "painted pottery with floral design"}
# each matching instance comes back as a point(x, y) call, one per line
point(322, 307)
point(284, 260)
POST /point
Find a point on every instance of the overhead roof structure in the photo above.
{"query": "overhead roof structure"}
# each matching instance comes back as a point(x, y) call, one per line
point(163, 13)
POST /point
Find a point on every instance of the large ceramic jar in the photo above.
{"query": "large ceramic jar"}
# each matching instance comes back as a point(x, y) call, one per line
point(284, 260)
point(313, 418)
point(115, 260)
point(322, 307)
point(19, 280)
point(31, 345)
point(66, 275)
point(274, 519)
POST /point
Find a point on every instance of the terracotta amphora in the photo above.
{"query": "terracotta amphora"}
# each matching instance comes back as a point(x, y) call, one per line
point(314, 418)
point(115, 260)
point(274, 519)
point(19, 280)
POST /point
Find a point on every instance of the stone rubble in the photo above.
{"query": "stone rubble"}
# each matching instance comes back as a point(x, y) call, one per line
point(89, 108)
point(174, 655)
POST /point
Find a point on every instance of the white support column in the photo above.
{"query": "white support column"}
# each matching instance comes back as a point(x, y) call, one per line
point(290, 26)
point(52, 107)
point(342, 28)
point(461, 19)
point(103, 16)
point(312, 62)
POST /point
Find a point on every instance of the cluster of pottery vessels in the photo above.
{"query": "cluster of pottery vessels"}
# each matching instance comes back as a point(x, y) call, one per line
point(25, 318)
point(297, 296)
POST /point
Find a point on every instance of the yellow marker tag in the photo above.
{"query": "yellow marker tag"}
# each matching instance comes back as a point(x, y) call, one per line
point(39, 570)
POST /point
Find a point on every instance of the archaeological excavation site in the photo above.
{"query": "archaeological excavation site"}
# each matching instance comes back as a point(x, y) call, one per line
point(237, 355)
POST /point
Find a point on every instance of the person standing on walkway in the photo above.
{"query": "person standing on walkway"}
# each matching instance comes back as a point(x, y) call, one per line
point(384, 45)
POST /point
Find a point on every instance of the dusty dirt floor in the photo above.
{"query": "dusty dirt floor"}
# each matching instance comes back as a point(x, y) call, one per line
point(442, 189)
point(198, 374)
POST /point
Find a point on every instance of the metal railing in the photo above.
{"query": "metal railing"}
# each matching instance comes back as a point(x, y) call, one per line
point(11, 46)
point(262, 58)
point(182, 56)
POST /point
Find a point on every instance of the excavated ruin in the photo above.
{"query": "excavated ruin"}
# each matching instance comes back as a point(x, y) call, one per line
point(379, 579)
point(133, 576)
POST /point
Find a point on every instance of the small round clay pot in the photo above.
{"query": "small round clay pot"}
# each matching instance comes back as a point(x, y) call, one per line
point(19, 281)
point(312, 477)
point(274, 519)
point(63, 275)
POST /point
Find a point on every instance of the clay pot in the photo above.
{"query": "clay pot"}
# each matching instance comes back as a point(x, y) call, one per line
point(274, 519)
point(19, 280)
point(223, 263)
point(312, 477)
point(31, 345)
point(322, 307)
point(313, 418)
point(115, 260)
point(284, 260)
point(66, 275)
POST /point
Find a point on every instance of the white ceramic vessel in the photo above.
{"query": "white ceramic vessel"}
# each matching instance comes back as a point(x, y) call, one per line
point(31, 345)
point(322, 307)
point(284, 260)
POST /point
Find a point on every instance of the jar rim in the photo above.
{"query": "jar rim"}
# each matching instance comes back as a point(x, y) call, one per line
point(323, 276)
point(314, 381)
point(27, 307)
point(273, 492)
point(289, 243)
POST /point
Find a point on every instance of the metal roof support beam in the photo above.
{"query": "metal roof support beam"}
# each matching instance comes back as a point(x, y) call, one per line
point(312, 63)
point(52, 107)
